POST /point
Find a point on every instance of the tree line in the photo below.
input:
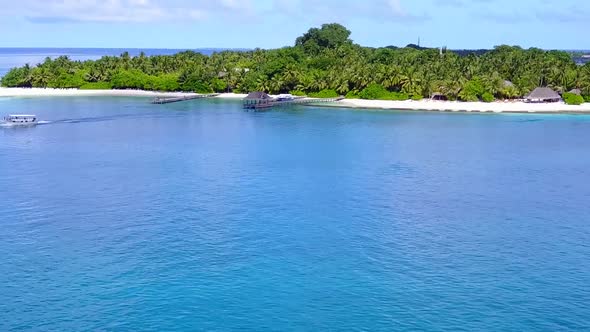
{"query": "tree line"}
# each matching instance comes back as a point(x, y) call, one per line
point(323, 62)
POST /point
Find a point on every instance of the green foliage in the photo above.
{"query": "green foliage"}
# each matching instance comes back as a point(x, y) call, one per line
point(352, 95)
point(416, 97)
point(378, 92)
point(327, 93)
point(587, 98)
point(322, 62)
point(96, 86)
point(323, 59)
point(573, 99)
point(66, 80)
point(194, 82)
point(199, 87)
point(373, 91)
point(166, 82)
point(18, 77)
point(396, 96)
point(328, 36)
point(218, 85)
point(248, 83)
point(487, 97)
point(129, 79)
point(298, 93)
point(509, 92)
point(135, 79)
point(473, 90)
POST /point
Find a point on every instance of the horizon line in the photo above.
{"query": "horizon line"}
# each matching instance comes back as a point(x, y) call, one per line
point(255, 48)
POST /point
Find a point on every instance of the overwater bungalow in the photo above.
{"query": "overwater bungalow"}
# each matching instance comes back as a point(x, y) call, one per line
point(543, 95)
point(257, 100)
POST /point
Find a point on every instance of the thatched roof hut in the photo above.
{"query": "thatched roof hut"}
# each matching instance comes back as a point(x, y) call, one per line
point(256, 100)
point(576, 92)
point(543, 95)
point(257, 96)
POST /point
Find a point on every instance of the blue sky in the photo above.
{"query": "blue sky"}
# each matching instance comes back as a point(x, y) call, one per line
point(559, 24)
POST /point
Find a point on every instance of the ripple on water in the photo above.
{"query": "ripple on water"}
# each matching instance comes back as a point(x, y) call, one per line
point(123, 216)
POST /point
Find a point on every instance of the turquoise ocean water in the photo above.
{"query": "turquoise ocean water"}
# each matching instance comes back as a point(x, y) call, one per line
point(118, 215)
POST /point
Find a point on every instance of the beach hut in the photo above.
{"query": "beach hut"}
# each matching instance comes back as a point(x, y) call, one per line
point(438, 96)
point(543, 95)
point(576, 92)
point(256, 100)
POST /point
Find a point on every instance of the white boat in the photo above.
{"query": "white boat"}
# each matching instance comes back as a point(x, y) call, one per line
point(285, 97)
point(19, 120)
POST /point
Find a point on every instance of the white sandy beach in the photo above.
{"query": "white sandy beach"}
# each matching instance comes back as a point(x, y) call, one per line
point(456, 106)
point(41, 92)
point(422, 105)
point(232, 96)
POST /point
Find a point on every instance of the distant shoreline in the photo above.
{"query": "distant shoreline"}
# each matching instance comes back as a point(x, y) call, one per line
point(406, 105)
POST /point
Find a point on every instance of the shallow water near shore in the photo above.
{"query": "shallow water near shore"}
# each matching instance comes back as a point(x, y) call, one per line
point(122, 215)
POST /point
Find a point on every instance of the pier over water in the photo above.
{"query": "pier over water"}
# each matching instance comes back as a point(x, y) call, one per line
point(260, 100)
point(168, 100)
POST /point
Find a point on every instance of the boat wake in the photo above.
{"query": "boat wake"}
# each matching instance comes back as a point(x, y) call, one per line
point(108, 118)
point(94, 119)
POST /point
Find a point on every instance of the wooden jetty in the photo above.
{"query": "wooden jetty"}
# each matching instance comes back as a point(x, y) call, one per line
point(304, 101)
point(259, 100)
point(168, 100)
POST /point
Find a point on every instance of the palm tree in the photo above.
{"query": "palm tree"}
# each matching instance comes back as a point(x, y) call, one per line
point(263, 84)
point(345, 68)
point(276, 85)
point(392, 78)
point(410, 81)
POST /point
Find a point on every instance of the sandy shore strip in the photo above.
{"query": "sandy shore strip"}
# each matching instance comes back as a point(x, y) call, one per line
point(420, 105)
point(41, 92)
point(456, 106)
point(46, 92)
point(232, 95)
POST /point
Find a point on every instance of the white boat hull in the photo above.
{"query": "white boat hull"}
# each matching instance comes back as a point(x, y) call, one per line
point(17, 124)
point(19, 120)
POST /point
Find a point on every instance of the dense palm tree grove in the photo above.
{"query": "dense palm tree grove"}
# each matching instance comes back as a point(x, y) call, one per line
point(323, 62)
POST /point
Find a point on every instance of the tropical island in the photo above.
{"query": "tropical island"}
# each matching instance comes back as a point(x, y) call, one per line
point(323, 63)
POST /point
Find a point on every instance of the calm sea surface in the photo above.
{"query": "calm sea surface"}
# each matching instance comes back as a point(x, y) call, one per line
point(119, 215)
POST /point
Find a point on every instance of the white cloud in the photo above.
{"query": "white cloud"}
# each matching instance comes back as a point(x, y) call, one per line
point(48, 11)
point(105, 11)
point(341, 10)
